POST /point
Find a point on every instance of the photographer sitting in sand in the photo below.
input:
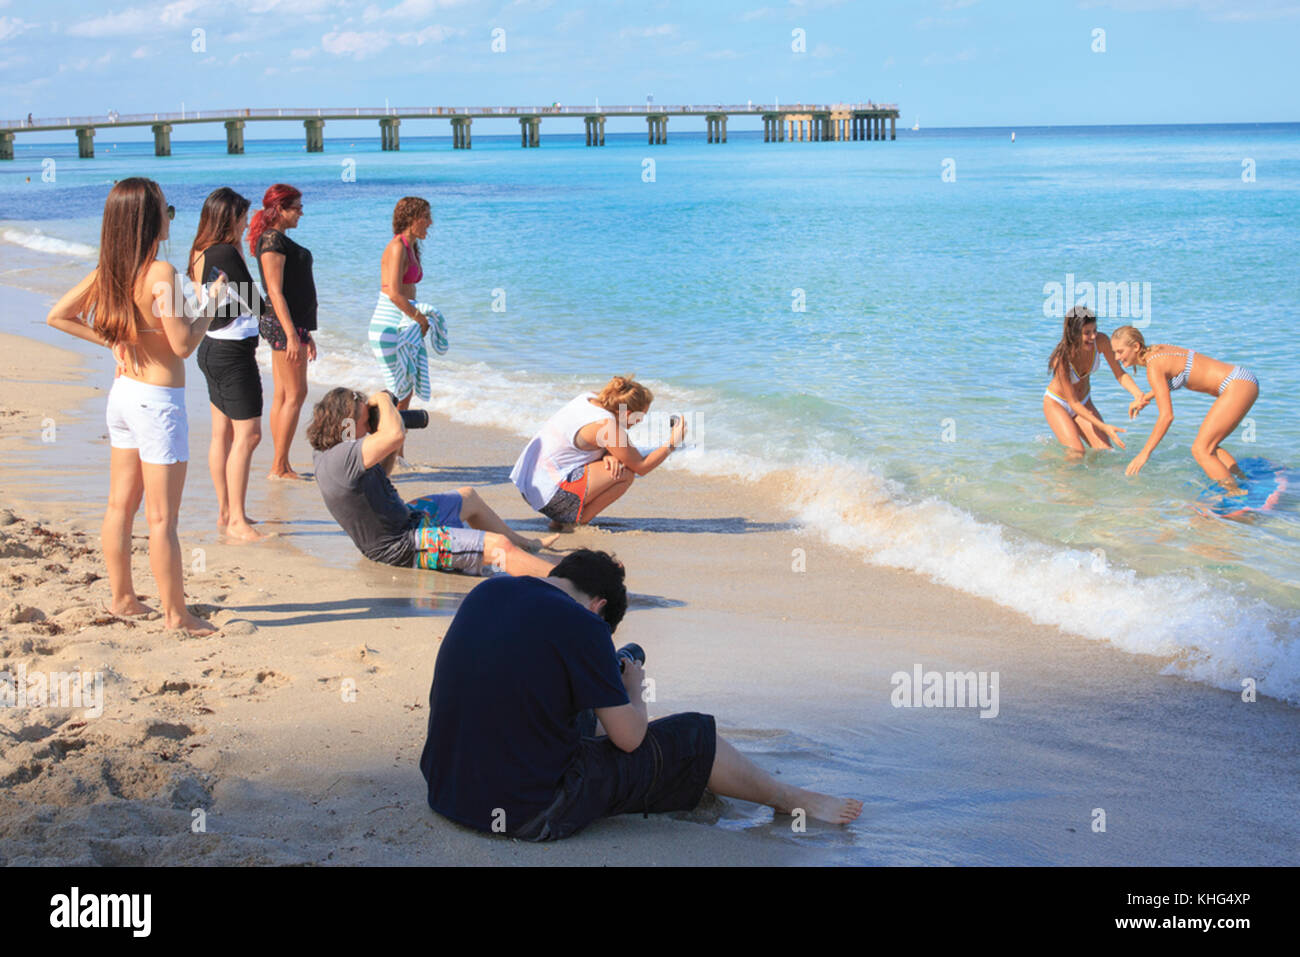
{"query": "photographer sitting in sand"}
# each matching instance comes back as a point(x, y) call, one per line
point(526, 669)
point(356, 442)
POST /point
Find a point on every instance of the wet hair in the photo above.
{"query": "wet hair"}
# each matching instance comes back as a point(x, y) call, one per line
point(128, 245)
point(275, 202)
point(626, 392)
point(407, 211)
point(1131, 335)
point(332, 418)
point(1071, 334)
point(221, 212)
point(597, 575)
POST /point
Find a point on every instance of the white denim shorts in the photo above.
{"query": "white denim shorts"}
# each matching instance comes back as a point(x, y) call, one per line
point(150, 418)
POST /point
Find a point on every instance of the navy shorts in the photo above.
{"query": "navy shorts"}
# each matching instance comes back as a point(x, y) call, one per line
point(668, 772)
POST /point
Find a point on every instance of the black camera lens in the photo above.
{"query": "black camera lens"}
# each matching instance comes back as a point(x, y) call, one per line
point(415, 418)
point(630, 652)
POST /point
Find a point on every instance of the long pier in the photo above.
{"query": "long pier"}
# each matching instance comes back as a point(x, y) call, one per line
point(811, 123)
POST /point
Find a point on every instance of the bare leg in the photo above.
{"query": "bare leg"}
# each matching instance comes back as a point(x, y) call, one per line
point(1224, 416)
point(163, 485)
point(734, 775)
point(475, 513)
point(501, 552)
point(1063, 426)
point(1096, 438)
point(402, 406)
point(603, 490)
point(247, 433)
point(218, 456)
point(290, 393)
point(125, 490)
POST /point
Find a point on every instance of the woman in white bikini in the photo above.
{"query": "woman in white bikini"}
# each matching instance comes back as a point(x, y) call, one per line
point(1067, 403)
point(130, 304)
point(1169, 368)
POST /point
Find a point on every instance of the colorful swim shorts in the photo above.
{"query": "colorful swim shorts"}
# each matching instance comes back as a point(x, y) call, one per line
point(441, 542)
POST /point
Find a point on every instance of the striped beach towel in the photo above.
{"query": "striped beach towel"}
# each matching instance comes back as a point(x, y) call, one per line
point(399, 346)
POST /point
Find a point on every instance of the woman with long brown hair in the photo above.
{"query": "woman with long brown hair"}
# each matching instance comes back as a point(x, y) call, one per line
point(399, 324)
point(290, 320)
point(582, 461)
point(1067, 402)
point(131, 303)
point(1170, 368)
point(228, 358)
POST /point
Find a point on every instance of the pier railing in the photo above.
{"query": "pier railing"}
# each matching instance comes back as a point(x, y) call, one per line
point(412, 112)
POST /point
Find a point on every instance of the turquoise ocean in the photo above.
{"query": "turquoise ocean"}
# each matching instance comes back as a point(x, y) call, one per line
point(871, 319)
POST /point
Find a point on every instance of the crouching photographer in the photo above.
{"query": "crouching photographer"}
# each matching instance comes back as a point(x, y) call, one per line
point(356, 442)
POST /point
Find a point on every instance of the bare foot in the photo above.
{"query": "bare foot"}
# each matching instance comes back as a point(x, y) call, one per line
point(823, 807)
point(243, 532)
point(289, 475)
point(193, 624)
point(537, 544)
point(131, 608)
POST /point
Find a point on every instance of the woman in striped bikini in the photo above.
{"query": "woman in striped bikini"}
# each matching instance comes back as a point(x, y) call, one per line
point(1170, 368)
point(399, 325)
point(1067, 402)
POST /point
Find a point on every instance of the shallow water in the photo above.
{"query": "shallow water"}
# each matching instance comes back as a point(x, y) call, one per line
point(905, 396)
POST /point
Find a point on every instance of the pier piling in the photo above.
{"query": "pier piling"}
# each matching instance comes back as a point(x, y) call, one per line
point(389, 141)
point(315, 135)
point(162, 139)
point(235, 137)
point(6, 145)
point(86, 142)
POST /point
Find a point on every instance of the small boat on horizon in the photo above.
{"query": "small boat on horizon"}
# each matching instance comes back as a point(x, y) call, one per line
point(917, 125)
point(1013, 136)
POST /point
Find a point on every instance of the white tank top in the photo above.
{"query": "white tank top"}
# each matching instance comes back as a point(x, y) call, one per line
point(551, 455)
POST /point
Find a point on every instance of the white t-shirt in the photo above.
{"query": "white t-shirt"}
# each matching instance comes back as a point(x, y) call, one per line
point(552, 454)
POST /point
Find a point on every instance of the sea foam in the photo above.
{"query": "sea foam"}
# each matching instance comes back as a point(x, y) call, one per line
point(48, 244)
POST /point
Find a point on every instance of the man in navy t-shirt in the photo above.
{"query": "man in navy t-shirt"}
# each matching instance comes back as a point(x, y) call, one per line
point(510, 748)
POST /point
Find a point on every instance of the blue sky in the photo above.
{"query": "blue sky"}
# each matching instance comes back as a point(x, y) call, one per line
point(948, 62)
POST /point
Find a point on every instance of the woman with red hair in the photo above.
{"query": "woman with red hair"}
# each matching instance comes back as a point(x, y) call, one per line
point(291, 319)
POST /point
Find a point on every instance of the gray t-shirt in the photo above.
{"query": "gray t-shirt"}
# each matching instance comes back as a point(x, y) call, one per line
point(366, 504)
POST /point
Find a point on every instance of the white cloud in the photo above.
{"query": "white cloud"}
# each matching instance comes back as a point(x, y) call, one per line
point(359, 44)
point(1238, 10)
point(302, 54)
point(663, 30)
point(407, 10)
point(944, 59)
point(135, 20)
point(11, 27)
point(139, 53)
point(929, 23)
point(86, 63)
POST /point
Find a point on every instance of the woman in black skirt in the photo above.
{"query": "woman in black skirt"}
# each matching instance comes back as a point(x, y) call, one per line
point(228, 357)
point(291, 317)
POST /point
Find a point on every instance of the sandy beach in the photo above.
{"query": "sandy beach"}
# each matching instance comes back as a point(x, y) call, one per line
point(789, 641)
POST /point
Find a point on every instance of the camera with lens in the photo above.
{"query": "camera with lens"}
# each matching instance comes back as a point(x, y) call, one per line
point(411, 418)
point(630, 652)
